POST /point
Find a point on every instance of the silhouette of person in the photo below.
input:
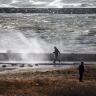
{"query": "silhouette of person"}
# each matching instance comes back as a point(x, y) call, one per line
point(56, 52)
point(81, 71)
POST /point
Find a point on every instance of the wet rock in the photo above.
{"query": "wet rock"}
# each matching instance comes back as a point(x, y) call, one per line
point(36, 64)
point(4, 66)
point(30, 65)
point(22, 65)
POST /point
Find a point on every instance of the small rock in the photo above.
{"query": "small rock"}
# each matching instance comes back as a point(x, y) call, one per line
point(30, 65)
point(36, 64)
point(22, 65)
point(4, 66)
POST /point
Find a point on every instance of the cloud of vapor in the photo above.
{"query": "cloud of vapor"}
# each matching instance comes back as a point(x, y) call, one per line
point(32, 45)
point(14, 41)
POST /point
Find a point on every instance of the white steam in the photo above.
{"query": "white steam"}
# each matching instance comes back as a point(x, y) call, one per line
point(16, 42)
point(32, 45)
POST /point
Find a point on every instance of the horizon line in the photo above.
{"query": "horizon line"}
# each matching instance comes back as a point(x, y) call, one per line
point(48, 10)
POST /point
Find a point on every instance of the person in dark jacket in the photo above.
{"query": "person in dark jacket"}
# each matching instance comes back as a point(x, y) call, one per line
point(56, 52)
point(81, 71)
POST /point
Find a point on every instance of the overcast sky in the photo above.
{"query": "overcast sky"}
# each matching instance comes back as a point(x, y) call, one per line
point(47, 3)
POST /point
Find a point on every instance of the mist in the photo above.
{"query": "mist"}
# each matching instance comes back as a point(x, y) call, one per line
point(14, 41)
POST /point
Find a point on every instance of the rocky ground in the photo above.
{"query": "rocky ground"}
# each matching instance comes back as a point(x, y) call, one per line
point(53, 82)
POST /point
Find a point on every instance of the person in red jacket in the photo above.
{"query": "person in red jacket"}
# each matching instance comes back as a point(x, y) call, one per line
point(56, 52)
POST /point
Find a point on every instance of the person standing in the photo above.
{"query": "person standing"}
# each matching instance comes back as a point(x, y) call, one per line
point(56, 52)
point(81, 71)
